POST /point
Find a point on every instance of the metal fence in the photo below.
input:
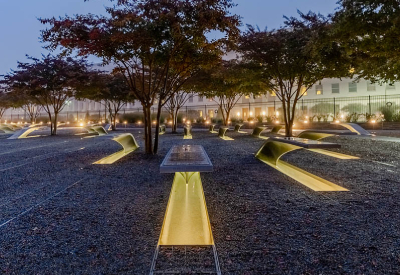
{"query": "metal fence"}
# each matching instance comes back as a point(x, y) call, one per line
point(347, 108)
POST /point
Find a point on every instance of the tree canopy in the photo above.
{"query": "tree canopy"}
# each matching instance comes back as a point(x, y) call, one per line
point(294, 57)
point(111, 90)
point(370, 32)
point(50, 81)
point(157, 45)
point(227, 83)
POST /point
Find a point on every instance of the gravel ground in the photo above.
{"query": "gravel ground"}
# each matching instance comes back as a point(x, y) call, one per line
point(59, 214)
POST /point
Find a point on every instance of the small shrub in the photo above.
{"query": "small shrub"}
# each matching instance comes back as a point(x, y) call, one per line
point(387, 113)
point(132, 117)
point(250, 119)
point(396, 117)
point(269, 119)
point(260, 119)
point(199, 120)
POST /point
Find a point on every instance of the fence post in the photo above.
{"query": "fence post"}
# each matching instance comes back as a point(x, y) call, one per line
point(334, 108)
point(205, 111)
point(369, 104)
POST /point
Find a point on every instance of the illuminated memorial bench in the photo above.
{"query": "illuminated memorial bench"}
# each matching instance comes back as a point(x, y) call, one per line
point(353, 127)
point(320, 134)
point(186, 221)
point(211, 129)
point(257, 132)
point(237, 128)
point(99, 130)
point(128, 143)
point(162, 129)
point(276, 129)
point(274, 148)
point(24, 132)
point(222, 131)
point(108, 127)
point(188, 132)
point(6, 129)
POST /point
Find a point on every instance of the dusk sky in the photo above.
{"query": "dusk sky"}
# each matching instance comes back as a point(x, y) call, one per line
point(20, 29)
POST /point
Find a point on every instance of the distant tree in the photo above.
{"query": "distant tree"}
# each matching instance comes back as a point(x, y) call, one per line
point(293, 58)
point(157, 45)
point(28, 103)
point(175, 103)
point(354, 108)
point(50, 81)
point(227, 83)
point(370, 32)
point(111, 90)
point(5, 103)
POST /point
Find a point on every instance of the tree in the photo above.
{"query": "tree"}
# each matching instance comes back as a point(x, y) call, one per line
point(50, 81)
point(5, 103)
point(227, 83)
point(20, 99)
point(175, 103)
point(370, 32)
point(111, 90)
point(157, 45)
point(294, 58)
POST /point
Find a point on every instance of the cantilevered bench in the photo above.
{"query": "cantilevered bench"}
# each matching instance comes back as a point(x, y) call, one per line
point(274, 148)
point(24, 132)
point(211, 129)
point(188, 132)
point(355, 128)
point(222, 132)
point(90, 130)
point(276, 129)
point(237, 128)
point(162, 129)
point(128, 144)
point(257, 132)
point(186, 220)
point(6, 129)
point(96, 129)
point(108, 127)
point(100, 130)
point(318, 135)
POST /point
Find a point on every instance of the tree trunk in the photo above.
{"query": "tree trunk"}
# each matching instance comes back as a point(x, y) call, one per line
point(51, 124)
point(175, 121)
point(157, 128)
point(227, 117)
point(114, 122)
point(147, 130)
point(55, 124)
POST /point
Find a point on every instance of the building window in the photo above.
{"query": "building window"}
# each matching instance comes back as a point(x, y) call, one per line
point(246, 97)
point(371, 87)
point(352, 87)
point(273, 93)
point(319, 89)
point(335, 88)
point(303, 91)
point(210, 99)
point(390, 87)
point(200, 99)
point(190, 99)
